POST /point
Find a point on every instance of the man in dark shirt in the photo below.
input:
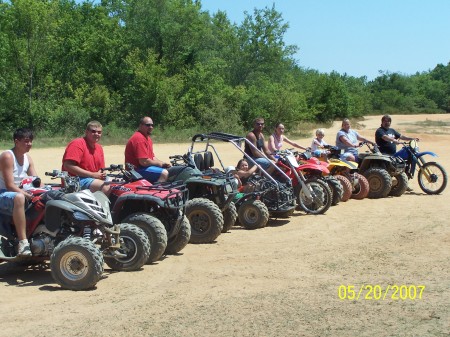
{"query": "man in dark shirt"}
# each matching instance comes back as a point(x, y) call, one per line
point(388, 138)
point(259, 152)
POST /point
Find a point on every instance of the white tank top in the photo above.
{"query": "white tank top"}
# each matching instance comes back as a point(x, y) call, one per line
point(19, 172)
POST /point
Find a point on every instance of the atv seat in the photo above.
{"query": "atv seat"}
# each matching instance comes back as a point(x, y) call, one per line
point(208, 160)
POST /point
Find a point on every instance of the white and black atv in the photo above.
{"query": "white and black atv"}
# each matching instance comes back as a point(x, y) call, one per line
point(74, 230)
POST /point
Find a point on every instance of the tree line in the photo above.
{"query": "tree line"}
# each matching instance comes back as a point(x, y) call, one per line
point(63, 63)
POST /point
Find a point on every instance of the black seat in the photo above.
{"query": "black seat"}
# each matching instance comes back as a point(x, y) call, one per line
point(208, 160)
point(199, 163)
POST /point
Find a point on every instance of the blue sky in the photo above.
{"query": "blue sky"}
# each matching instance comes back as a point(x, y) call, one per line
point(358, 37)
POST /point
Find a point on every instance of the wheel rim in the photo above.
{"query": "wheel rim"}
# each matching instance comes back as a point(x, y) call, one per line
point(375, 184)
point(435, 181)
point(250, 215)
point(128, 246)
point(199, 221)
point(319, 194)
point(74, 266)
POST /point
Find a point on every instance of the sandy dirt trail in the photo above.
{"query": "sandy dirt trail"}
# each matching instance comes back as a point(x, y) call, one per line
point(282, 280)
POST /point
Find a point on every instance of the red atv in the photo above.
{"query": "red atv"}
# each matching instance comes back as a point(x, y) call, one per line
point(157, 209)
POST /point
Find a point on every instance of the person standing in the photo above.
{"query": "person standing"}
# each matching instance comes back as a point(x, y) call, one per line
point(84, 158)
point(277, 138)
point(15, 165)
point(256, 137)
point(139, 153)
point(387, 138)
point(348, 139)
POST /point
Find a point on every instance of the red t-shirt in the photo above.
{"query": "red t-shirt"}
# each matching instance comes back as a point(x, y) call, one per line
point(138, 147)
point(85, 157)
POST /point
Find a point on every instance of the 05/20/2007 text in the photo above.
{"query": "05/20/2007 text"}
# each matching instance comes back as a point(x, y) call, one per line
point(378, 292)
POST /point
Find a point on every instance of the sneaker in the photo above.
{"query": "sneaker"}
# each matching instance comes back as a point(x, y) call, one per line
point(24, 249)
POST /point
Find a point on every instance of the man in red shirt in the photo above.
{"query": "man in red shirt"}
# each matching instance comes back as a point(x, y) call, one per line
point(84, 158)
point(139, 152)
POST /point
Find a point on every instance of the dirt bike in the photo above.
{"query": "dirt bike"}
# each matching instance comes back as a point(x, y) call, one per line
point(355, 185)
point(432, 177)
point(313, 195)
point(74, 230)
point(157, 209)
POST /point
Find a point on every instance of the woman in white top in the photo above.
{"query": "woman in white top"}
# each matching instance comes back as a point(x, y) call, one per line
point(277, 138)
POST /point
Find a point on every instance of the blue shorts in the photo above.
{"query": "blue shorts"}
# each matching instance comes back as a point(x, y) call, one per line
point(86, 182)
point(7, 202)
point(150, 173)
point(263, 162)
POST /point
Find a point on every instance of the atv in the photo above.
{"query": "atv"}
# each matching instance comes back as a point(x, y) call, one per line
point(385, 174)
point(210, 208)
point(157, 209)
point(74, 230)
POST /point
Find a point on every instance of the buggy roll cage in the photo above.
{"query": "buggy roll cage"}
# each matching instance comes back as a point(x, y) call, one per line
point(237, 141)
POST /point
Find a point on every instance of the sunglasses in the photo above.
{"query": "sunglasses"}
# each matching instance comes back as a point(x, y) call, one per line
point(150, 125)
point(96, 131)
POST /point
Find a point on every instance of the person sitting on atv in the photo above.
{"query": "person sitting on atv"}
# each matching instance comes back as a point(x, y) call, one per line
point(349, 140)
point(139, 152)
point(318, 144)
point(256, 137)
point(388, 138)
point(277, 138)
point(15, 165)
point(84, 158)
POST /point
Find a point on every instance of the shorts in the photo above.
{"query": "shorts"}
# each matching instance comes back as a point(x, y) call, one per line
point(150, 173)
point(263, 162)
point(7, 202)
point(86, 182)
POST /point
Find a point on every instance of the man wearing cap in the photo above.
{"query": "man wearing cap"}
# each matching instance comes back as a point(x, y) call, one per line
point(387, 138)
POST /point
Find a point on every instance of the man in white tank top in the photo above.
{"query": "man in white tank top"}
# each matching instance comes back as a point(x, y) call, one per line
point(16, 164)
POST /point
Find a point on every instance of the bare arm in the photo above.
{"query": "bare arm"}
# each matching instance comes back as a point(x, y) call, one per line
point(74, 169)
point(361, 138)
point(287, 140)
point(153, 162)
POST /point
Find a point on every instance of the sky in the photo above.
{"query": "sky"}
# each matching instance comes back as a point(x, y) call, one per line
point(358, 37)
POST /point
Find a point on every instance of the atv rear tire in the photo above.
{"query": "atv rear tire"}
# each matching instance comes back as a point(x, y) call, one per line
point(181, 239)
point(135, 244)
point(253, 214)
point(346, 186)
point(380, 182)
point(76, 264)
point(229, 217)
point(155, 230)
point(399, 185)
point(206, 220)
point(362, 188)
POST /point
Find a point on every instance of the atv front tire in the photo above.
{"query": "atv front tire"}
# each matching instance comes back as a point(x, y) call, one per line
point(155, 231)
point(380, 183)
point(229, 217)
point(399, 185)
point(135, 244)
point(76, 264)
point(361, 189)
point(346, 186)
point(181, 239)
point(206, 220)
point(253, 214)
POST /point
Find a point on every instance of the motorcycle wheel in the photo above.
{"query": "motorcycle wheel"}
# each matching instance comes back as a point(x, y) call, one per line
point(399, 184)
point(155, 231)
point(181, 239)
point(322, 193)
point(438, 177)
point(76, 264)
point(380, 183)
point(229, 217)
point(253, 214)
point(206, 220)
point(135, 244)
point(346, 186)
point(361, 190)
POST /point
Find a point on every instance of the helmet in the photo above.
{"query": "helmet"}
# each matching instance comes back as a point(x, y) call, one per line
point(230, 169)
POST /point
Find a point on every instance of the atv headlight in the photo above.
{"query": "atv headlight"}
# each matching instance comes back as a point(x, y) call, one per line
point(81, 216)
point(228, 188)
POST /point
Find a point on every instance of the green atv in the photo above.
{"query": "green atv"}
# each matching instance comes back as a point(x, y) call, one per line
point(210, 209)
point(385, 174)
